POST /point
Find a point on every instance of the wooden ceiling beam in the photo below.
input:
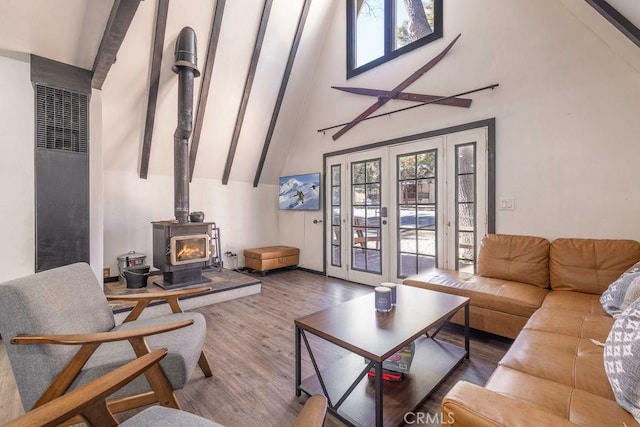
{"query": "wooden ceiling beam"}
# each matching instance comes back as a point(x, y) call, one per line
point(154, 83)
point(247, 90)
point(283, 88)
point(122, 14)
point(203, 96)
point(616, 19)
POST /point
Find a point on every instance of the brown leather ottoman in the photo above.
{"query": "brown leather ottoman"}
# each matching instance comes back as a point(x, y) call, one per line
point(271, 257)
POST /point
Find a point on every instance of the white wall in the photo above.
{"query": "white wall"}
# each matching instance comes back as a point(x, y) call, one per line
point(246, 216)
point(17, 251)
point(566, 111)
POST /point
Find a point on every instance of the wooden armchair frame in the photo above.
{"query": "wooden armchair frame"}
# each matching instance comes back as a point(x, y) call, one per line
point(88, 402)
point(171, 297)
point(161, 390)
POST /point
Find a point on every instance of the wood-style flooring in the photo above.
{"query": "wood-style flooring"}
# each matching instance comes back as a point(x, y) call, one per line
point(250, 344)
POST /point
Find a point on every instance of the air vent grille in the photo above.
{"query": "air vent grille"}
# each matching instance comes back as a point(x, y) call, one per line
point(61, 119)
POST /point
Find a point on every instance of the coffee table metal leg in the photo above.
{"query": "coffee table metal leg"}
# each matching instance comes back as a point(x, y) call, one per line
point(298, 364)
point(378, 381)
point(466, 330)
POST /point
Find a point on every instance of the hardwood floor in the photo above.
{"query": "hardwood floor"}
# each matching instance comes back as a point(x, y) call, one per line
point(250, 344)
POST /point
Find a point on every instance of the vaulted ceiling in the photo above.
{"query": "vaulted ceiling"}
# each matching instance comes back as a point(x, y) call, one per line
point(71, 32)
point(73, 35)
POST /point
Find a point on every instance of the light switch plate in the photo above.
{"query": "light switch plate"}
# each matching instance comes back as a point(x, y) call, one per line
point(507, 204)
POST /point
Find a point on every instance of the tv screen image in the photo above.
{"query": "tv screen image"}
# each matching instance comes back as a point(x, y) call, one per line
point(300, 192)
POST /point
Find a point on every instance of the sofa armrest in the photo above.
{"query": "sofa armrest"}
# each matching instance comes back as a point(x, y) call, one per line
point(468, 404)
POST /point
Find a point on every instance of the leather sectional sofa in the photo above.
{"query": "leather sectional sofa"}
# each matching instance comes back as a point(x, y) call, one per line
point(546, 296)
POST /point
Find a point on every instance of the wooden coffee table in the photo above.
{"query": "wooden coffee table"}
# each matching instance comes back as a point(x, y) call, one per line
point(367, 334)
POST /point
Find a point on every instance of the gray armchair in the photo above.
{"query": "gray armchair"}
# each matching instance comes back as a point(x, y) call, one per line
point(61, 333)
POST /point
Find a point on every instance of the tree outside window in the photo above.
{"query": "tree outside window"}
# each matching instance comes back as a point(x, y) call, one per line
point(380, 30)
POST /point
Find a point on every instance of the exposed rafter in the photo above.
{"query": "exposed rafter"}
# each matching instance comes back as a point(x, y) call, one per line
point(120, 18)
point(154, 82)
point(283, 87)
point(625, 26)
point(247, 89)
point(205, 84)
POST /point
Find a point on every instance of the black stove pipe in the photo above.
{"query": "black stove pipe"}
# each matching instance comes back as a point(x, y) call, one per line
point(186, 66)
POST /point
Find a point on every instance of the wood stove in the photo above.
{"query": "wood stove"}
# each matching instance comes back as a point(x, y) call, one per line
point(181, 251)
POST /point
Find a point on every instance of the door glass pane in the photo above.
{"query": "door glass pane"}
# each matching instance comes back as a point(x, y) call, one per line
point(416, 183)
point(425, 165)
point(465, 207)
point(408, 217)
point(358, 195)
point(466, 192)
point(335, 195)
point(427, 243)
point(335, 256)
point(425, 190)
point(365, 213)
point(407, 192)
point(336, 236)
point(336, 216)
point(335, 175)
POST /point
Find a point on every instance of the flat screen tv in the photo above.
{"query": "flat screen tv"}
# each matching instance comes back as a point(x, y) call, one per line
point(300, 192)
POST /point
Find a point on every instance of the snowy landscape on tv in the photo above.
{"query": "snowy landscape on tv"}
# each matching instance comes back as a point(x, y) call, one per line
point(300, 192)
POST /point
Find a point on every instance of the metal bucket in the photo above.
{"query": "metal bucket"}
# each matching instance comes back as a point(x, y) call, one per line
point(130, 259)
point(136, 276)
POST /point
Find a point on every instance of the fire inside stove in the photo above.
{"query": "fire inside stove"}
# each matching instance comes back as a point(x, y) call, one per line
point(188, 249)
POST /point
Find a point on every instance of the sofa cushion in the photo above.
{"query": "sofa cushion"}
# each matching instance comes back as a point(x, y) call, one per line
point(578, 406)
point(572, 361)
point(622, 359)
point(574, 301)
point(522, 259)
point(622, 292)
point(590, 265)
point(495, 294)
point(571, 323)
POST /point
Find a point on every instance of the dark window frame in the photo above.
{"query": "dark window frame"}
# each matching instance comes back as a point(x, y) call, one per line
point(389, 26)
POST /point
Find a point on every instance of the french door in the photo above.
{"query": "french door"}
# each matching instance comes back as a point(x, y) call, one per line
point(399, 210)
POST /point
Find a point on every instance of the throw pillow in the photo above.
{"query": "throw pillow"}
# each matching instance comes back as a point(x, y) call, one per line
point(635, 268)
point(622, 359)
point(616, 298)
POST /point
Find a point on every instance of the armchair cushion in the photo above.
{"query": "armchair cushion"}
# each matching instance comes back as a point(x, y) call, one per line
point(183, 353)
point(159, 416)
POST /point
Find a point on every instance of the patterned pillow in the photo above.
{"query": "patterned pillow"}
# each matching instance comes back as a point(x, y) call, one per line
point(622, 359)
point(617, 297)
